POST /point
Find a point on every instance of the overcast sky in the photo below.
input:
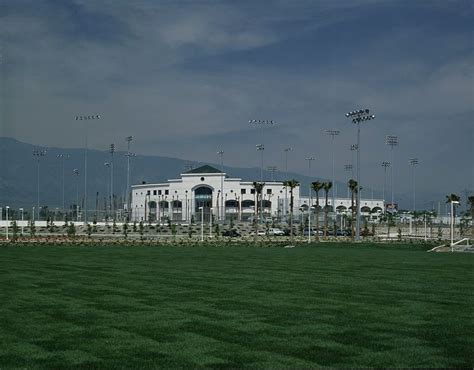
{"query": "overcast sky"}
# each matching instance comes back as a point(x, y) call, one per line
point(185, 77)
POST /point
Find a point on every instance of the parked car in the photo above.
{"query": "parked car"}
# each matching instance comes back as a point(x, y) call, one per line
point(261, 232)
point(343, 233)
point(231, 233)
point(273, 231)
point(306, 232)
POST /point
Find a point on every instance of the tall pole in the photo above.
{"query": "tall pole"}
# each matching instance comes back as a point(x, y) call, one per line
point(333, 134)
point(285, 208)
point(63, 156)
point(7, 208)
point(413, 162)
point(38, 154)
point(112, 206)
point(76, 173)
point(221, 208)
point(127, 194)
point(261, 148)
point(384, 165)
point(86, 119)
point(358, 117)
point(309, 159)
point(393, 142)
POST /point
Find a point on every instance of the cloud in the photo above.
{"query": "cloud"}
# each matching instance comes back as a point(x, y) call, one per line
point(185, 77)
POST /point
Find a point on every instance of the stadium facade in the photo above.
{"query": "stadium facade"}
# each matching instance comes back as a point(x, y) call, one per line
point(207, 191)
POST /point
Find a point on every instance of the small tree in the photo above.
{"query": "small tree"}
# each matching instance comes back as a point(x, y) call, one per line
point(125, 230)
point(190, 231)
point(94, 227)
point(89, 230)
point(216, 230)
point(141, 229)
point(134, 228)
point(32, 228)
point(15, 230)
point(173, 230)
point(71, 230)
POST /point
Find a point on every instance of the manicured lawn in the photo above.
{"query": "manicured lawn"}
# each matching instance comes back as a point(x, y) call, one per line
point(332, 305)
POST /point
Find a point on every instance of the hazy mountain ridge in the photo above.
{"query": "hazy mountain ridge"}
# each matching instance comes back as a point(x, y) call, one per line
point(18, 175)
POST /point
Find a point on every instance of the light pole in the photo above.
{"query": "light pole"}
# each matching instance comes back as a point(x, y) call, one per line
point(86, 119)
point(385, 164)
point(272, 170)
point(6, 209)
point(63, 156)
point(357, 117)
point(309, 159)
point(353, 149)
point(220, 209)
point(107, 175)
point(333, 134)
point(128, 139)
point(285, 208)
point(413, 162)
point(453, 203)
point(75, 172)
point(393, 142)
point(38, 154)
point(261, 148)
point(22, 219)
point(202, 223)
point(112, 206)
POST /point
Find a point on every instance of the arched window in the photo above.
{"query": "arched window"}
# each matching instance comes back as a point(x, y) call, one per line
point(231, 203)
point(177, 204)
point(164, 204)
point(267, 204)
point(248, 203)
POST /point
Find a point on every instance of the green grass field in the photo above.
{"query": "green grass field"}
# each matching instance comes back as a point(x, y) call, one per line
point(331, 305)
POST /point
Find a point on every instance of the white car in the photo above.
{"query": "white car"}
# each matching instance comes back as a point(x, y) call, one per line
point(275, 232)
point(261, 232)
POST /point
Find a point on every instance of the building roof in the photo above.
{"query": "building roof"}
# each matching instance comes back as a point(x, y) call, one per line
point(204, 169)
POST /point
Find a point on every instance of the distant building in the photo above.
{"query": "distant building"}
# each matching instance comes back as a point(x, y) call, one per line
point(224, 197)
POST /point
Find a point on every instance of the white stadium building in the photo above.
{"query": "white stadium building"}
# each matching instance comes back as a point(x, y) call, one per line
point(207, 190)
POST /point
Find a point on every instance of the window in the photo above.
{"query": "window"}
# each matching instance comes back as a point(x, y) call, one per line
point(269, 191)
point(159, 192)
point(154, 192)
point(167, 192)
point(252, 191)
point(148, 192)
point(243, 191)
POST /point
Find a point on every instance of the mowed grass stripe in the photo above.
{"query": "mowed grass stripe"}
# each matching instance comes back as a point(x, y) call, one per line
point(235, 307)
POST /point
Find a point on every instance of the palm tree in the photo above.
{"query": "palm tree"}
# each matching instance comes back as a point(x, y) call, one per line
point(291, 184)
point(317, 186)
point(258, 186)
point(353, 188)
point(326, 187)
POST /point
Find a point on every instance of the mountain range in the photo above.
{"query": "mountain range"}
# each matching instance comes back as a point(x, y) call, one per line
point(19, 176)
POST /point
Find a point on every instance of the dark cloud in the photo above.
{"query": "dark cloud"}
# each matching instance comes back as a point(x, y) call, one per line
point(185, 77)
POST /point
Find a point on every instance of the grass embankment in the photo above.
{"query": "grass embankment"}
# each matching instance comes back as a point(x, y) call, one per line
point(235, 307)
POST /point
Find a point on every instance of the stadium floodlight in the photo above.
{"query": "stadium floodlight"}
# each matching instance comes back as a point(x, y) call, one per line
point(37, 155)
point(392, 141)
point(357, 117)
point(86, 120)
point(413, 162)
